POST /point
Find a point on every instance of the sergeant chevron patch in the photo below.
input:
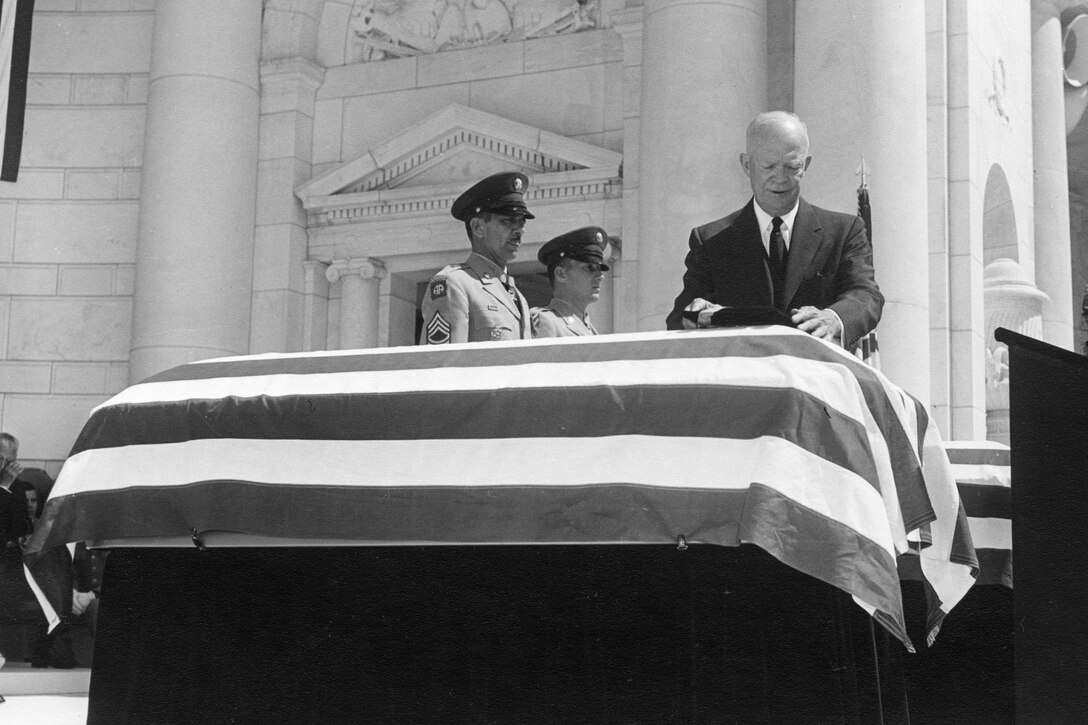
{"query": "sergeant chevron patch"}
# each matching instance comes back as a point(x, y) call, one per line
point(438, 330)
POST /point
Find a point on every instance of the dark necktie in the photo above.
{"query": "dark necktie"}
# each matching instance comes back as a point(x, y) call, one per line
point(778, 255)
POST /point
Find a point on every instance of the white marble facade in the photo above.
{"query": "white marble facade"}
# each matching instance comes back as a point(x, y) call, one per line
point(203, 178)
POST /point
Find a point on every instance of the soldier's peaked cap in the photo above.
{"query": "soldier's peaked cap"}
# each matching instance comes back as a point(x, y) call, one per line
point(587, 244)
point(502, 193)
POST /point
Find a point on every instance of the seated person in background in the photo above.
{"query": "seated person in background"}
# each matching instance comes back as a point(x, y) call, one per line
point(778, 250)
point(17, 600)
point(14, 522)
point(576, 267)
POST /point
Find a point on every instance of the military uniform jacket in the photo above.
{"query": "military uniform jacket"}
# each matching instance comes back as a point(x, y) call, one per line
point(469, 303)
point(559, 319)
point(830, 266)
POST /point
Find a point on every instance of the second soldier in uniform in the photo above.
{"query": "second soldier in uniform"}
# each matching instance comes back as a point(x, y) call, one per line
point(477, 301)
point(576, 267)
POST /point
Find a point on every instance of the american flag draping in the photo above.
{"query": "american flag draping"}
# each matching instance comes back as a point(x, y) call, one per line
point(15, 23)
point(984, 479)
point(761, 435)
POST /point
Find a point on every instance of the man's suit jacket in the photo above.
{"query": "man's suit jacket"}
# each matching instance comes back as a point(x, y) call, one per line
point(468, 303)
point(830, 266)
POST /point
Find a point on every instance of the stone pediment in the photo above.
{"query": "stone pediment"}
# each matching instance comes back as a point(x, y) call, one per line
point(424, 168)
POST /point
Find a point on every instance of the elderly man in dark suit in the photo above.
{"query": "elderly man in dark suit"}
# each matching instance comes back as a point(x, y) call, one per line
point(812, 264)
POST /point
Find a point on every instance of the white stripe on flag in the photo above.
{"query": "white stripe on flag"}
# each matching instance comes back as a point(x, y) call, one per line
point(664, 462)
point(991, 533)
point(832, 383)
point(983, 474)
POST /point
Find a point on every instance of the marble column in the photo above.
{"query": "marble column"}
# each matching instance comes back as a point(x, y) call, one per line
point(197, 201)
point(1053, 271)
point(867, 97)
point(358, 300)
point(704, 77)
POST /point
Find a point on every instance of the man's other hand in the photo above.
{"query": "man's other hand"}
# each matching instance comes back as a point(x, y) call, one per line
point(705, 309)
point(10, 472)
point(823, 324)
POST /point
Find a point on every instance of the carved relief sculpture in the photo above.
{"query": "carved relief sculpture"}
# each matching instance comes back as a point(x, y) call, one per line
point(396, 28)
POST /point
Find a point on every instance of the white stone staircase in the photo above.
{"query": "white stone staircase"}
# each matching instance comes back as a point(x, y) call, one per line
point(19, 678)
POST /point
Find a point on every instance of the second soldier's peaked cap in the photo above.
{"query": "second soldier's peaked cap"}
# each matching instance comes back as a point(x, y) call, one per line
point(587, 244)
point(502, 193)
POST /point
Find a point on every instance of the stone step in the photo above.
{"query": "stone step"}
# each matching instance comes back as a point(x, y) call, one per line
point(19, 678)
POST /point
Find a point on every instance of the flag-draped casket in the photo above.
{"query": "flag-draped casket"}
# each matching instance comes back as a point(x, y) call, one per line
point(760, 435)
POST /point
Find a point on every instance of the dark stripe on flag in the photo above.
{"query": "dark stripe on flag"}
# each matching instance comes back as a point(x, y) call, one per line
point(979, 456)
point(389, 514)
point(826, 549)
point(715, 411)
point(18, 55)
point(995, 566)
point(797, 536)
point(986, 502)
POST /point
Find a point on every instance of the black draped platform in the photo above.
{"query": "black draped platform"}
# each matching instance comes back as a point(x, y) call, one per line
point(500, 634)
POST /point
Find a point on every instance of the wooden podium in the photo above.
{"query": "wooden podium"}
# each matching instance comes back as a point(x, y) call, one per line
point(1048, 409)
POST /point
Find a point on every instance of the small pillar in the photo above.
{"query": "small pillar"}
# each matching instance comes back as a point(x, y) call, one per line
point(1012, 302)
point(358, 301)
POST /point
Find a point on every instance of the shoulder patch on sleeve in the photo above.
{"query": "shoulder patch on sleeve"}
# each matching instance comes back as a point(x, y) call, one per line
point(438, 288)
point(438, 330)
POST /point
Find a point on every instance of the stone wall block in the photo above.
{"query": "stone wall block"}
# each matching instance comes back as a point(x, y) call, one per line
point(328, 129)
point(92, 185)
point(136, 90)
point(572, 50)
point(96, 280)
point(124, 280)
point(18, 377)
point(76, 232)
point(44, 90)
point(80, 379)
point(7, 231)
point(361, 79)
point(108, 43)
point(28, 280)
point(69, 329)
point(99, 90)
point(48, 425)
point(59, 138)
point(458, 66)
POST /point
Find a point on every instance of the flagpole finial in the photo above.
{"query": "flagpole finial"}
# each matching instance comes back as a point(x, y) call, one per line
point(862, 172)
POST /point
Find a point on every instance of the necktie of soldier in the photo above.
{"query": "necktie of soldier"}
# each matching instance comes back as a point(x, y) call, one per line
point(778, 255)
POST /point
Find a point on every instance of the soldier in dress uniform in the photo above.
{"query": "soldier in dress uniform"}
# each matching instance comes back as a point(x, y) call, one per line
point(576, 267)
point(478, 301)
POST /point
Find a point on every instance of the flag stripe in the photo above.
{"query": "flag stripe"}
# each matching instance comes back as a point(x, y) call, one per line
point(670, 463)
point(711, 411)
point(983, 501)
point(16, 18)
point(981, 456)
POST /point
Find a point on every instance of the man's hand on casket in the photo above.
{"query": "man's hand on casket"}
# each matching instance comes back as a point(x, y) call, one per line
point(706, 311)
point(823, 324)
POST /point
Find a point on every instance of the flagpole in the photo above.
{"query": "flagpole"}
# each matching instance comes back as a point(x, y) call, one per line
point(867, 348)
